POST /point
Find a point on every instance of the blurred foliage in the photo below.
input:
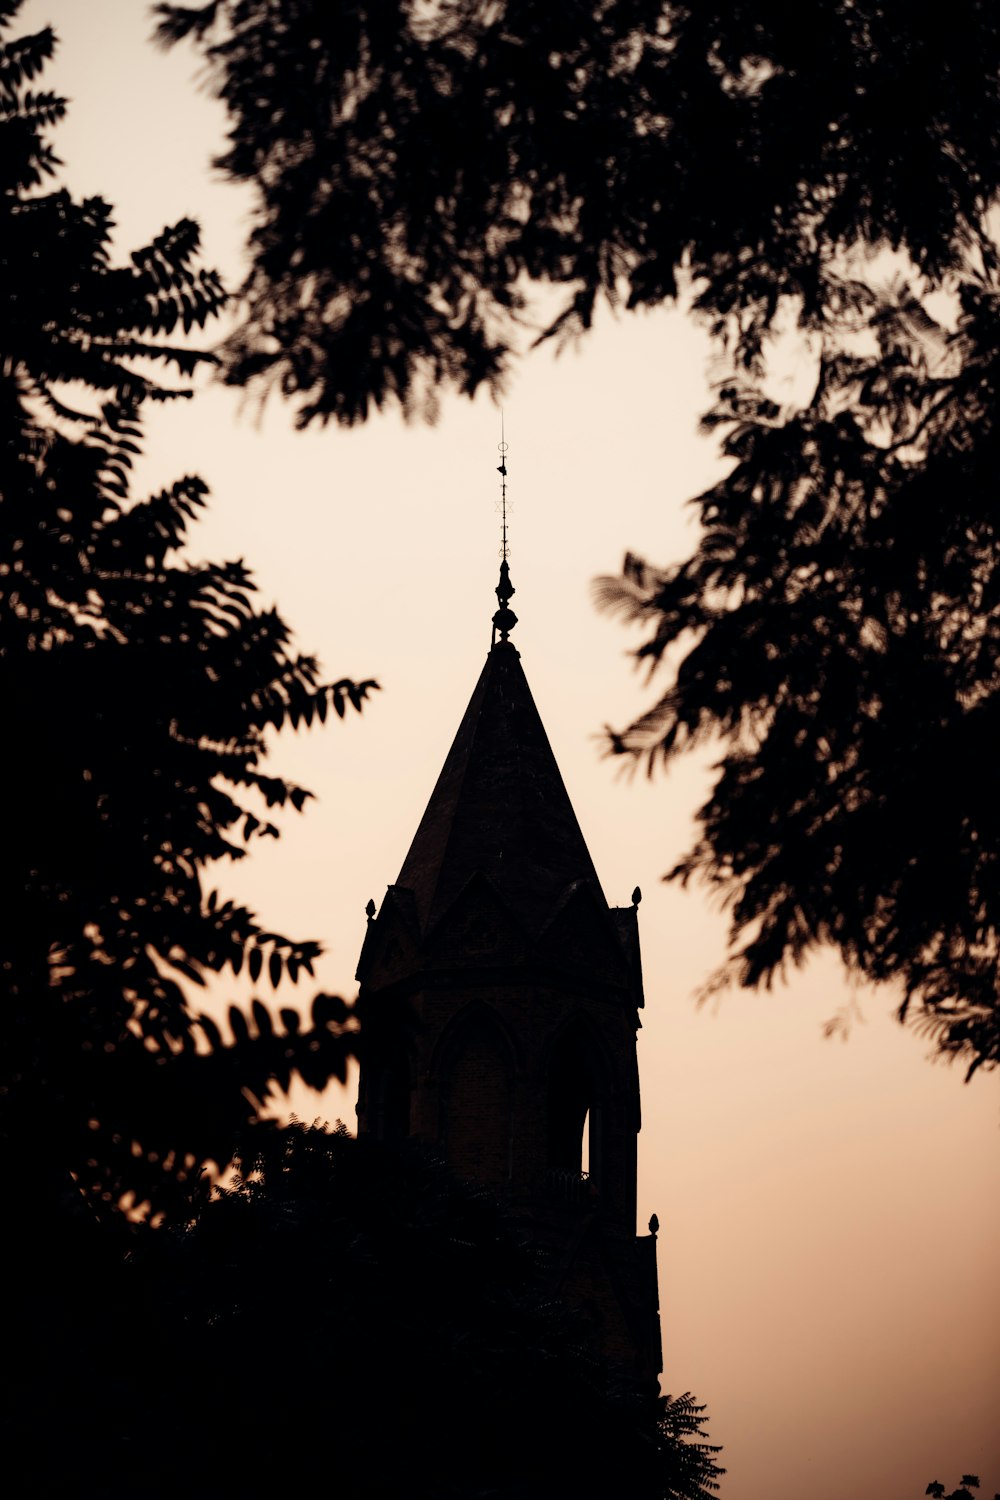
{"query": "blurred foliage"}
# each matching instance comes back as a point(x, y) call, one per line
point(418, 166)
point(139, 688)
point(420, 169)
point(341, 1315)
point(963, 1490)
point(838, 628)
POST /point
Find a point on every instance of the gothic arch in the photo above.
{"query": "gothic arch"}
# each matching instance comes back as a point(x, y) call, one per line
point(578, 1087)
point(475, 1062)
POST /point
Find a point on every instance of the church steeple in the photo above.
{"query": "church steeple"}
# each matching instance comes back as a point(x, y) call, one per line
point(499, 996)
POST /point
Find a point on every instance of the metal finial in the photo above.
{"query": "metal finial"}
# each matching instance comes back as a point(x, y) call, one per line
point(505, 619)
point(502, 471)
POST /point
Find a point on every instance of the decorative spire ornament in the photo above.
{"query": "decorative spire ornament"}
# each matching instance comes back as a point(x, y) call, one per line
point(505, 619)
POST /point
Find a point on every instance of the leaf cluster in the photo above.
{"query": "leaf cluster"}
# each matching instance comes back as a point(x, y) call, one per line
point(963, 1491)
point(837, 630)
point(72, 317)
point(419, 167)
point(140, 688)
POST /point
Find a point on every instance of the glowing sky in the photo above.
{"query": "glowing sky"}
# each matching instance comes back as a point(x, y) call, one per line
point(830, 1213)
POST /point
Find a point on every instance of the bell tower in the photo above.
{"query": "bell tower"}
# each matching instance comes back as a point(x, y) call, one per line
point(500, 998)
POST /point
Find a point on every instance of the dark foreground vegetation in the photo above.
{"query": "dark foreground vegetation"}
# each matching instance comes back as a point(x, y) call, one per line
point(339, 1314)
point(138, 689)
point(340, 1318)
point(332, 1314)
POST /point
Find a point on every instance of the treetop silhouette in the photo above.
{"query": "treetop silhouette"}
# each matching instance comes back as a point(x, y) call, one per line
point(839, 629)
point(417, 169)
point(139, 687)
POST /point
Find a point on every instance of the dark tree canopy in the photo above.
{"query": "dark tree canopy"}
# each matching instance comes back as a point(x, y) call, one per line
point(420, 169)
point(417, 166)
point(840, 629)
point(343, 1318)
point(138, 689)
point(962, 1491)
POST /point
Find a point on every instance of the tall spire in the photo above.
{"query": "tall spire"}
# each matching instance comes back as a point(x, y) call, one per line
point(501, 994)
point(500, 808)
point(505, 619)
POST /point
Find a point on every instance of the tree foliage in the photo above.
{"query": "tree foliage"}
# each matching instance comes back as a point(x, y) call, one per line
point(418, 166)
point(139, 688)
point(962, 1491)
point(839, 624)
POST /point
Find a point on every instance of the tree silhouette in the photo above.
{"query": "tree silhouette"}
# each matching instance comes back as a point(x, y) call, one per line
point(418, 169)
point(962, 1491)
point(840, 628)
point(349, 1314)
point(138, 688)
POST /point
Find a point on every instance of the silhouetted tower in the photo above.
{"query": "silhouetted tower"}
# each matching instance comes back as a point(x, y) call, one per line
point(500, 997)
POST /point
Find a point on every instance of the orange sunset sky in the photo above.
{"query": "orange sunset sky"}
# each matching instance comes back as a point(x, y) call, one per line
point(830, 1212)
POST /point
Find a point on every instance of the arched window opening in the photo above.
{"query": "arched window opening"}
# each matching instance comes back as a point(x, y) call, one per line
point(574, 1114)
point(478, 1095)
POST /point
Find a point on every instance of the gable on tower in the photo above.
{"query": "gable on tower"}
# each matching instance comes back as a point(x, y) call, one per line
point(580, 936)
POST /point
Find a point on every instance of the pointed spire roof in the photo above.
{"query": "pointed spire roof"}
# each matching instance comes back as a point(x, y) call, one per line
point(499, 809)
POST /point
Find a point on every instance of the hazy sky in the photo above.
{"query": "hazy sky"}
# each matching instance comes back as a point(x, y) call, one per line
point(830, 1212)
